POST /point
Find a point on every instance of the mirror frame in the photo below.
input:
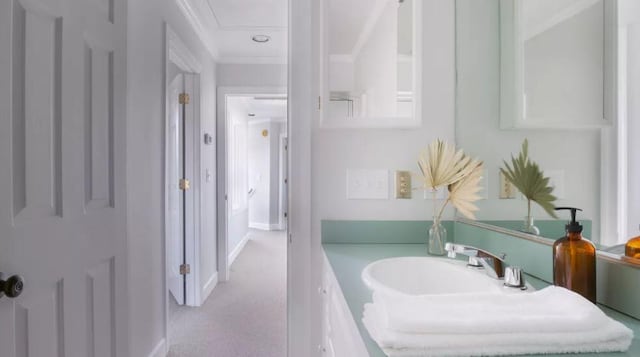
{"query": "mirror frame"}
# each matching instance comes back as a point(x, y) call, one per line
point(371, 122)
point(512, 114)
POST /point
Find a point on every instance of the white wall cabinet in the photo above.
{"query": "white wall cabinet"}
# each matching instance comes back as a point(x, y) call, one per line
point(340, 336)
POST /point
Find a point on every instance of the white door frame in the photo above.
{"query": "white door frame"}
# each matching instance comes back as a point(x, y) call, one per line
point(282, 176)
point(222, 168)
point(177, 53)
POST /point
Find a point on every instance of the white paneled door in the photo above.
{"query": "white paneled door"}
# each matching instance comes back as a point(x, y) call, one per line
point(62, 177)
point(175, 196)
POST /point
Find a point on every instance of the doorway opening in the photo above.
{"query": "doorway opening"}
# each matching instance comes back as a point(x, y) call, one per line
point(255, 153)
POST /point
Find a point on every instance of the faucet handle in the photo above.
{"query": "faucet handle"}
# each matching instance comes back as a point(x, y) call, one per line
point(513, 278)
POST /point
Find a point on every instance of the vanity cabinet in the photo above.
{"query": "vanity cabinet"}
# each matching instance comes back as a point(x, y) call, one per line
point(340, 336)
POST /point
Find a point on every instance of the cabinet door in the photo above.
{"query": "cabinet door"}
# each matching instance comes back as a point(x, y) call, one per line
point(341, 336)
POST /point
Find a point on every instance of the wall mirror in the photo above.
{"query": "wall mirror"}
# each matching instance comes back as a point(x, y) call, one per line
point(562, 74)
point(371, 60)
point(558, 63)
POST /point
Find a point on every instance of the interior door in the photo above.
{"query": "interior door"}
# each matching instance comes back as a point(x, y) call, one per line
point(175, 154)
point(62, 169)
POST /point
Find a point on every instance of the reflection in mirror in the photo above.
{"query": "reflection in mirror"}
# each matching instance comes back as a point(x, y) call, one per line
point(370, 61)
point(551, 71)
point(563, 59)
point(558, 63)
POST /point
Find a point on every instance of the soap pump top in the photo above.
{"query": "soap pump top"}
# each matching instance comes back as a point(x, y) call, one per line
point(573, 226)
point(574, 260)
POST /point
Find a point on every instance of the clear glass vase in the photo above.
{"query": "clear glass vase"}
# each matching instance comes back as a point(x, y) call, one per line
point(437, 238)
point(529, 226)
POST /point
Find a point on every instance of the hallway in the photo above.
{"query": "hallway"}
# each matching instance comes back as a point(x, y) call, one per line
point(244, 317)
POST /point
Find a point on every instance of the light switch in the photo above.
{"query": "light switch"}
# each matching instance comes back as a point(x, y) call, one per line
point(403, 184)
point(507, 189)
point(365, 184)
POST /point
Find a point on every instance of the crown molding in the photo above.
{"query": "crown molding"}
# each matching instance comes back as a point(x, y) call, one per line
point(252, 60)
point(199, 15)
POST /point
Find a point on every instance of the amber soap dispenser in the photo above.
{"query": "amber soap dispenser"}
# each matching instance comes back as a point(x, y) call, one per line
point(574, 260)
point(632, 248)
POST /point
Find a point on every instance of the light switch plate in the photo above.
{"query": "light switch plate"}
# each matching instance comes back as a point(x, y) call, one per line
point(507, 189)
point(484, 183)
point(403, 184)
point(441, 194)
point(363, 184)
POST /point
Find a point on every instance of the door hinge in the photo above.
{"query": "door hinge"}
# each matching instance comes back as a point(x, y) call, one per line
point(185, 184)
point(185, 269)
point(319, 103)
point(183, 98)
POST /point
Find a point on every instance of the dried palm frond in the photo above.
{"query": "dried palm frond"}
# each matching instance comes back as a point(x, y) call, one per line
point(464, 192)
point(527, 177)
point(442, 165)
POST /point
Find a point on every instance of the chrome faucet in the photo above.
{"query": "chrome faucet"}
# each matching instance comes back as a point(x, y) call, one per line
point(493, 265)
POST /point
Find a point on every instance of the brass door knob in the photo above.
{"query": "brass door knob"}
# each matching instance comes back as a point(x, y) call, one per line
point(11, 287)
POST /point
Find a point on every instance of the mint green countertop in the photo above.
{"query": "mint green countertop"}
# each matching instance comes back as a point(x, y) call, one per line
point(348, 260)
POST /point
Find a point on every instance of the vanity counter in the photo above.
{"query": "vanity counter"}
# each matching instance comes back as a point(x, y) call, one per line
point(348, 260)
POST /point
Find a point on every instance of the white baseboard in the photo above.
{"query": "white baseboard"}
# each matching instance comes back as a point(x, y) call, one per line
point(236, 251)
point(160, 350)
point(264, 226)
point(208, 287)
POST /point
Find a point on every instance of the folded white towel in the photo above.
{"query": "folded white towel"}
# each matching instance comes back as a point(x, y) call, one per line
point(552, 309)
point(612, 336)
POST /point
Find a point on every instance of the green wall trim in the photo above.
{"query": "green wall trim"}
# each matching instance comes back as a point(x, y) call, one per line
point(410, 232)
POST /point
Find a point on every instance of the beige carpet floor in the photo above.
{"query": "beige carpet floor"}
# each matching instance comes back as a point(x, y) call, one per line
point(244, 317)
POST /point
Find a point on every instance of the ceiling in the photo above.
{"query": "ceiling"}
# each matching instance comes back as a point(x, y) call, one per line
point(236, 21)
point(263, 107)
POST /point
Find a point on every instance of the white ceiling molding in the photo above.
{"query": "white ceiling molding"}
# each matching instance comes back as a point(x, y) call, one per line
point(225, 43)
point(199, 15)
point(252, 60)
point(180, 54)
point(567, 13)
point(378, 9)
point(266, 120)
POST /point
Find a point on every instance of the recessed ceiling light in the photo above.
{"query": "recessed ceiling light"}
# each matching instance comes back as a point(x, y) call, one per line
point(260, 38)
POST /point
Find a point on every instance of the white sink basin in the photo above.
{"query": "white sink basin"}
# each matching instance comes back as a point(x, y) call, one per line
point(427, 276)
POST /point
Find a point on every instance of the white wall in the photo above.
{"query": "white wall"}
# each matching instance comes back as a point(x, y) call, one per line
point(335, 151)
point(259, 174)
point(477, 124)
point(629, 11)
point(239, 215)
point(252, 75)
point(264, 173)
point(145, 166)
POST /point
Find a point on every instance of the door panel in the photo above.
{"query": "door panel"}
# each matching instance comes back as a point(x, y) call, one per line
point(175, 199)
point(62, 165)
